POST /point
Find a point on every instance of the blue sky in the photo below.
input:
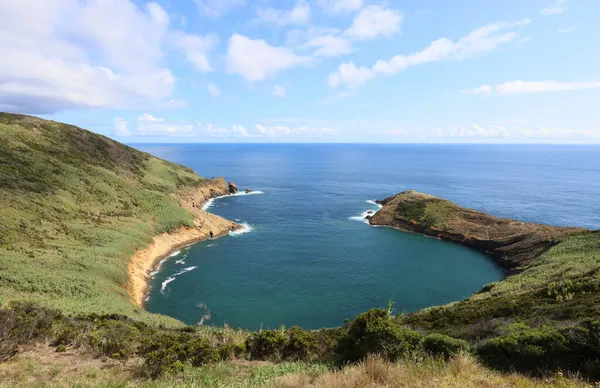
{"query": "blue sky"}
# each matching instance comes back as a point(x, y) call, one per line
point(308, 70)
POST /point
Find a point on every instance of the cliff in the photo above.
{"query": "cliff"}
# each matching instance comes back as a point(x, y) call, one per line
point(76, 206)
point(513, 244)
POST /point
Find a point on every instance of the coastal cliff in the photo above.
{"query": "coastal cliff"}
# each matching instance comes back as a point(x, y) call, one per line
point(84, 218)
point(512, 244)
point(206, 225)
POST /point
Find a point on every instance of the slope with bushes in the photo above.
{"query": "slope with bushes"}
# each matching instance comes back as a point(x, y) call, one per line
point(74, 208)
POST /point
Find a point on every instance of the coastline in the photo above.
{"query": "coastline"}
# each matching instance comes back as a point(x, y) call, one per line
point(145, 261)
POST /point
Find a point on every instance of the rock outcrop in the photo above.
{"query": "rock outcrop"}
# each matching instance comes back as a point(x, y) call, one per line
point(232, 188)
point(512, 244)
point(248, 191)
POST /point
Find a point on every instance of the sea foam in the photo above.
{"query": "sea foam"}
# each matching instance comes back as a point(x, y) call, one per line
point(370, 212)
point(208, 204)
point(171, 278)
point(245, 228)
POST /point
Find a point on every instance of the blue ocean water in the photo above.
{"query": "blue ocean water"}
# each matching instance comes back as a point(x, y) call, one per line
point(308, 260)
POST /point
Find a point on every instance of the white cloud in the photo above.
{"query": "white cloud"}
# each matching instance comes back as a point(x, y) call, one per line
point(284, 131)
point(67, 54)
point(527, 87)
point(375, 20)
point(216, 8)
point(478, 42)
point(257, 60)
point(298, 15)
point(524, 87)
point(328, 46)
point(194, 48)
point(336, 7)
point(483, 89)
point(213, 89)
point(557, 8)
point(121, 127)
point(350, 75)
point(147, 117)
point(239, 130)
point(278, 91)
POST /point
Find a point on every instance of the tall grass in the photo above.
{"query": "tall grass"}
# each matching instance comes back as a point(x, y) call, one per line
point(74, 207)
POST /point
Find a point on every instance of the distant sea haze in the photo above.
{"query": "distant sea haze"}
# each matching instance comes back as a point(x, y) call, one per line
point(307, 257)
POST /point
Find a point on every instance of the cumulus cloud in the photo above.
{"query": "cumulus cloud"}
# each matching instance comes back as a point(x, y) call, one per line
point(61, 55)
point(213, 89)
point(278, 91)
point(285, 131)
point(350, 75)
point(373, 21)
point(328, 46)
point(194, 48)
point(217, 8)
point(483, 89)
point(492, 133)
point(336, 7)
point(481, 41)
point(298, 15)
point(557, 8)
point(256, 60)
point(527, 87)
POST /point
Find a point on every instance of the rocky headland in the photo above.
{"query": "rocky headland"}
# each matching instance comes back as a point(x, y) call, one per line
point(512, 244)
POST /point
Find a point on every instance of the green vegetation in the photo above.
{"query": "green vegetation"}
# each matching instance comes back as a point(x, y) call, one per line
point(74, 207)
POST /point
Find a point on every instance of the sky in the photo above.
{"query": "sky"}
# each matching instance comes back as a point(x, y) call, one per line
point(395, 71)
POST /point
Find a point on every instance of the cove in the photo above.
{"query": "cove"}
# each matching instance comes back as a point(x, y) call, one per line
point(306, 263)
point(300, 266)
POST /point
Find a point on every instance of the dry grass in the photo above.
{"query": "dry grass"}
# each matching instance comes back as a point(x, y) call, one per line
point(463, 371)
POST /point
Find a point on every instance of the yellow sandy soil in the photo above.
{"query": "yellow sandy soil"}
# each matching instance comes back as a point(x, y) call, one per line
point(145, 261)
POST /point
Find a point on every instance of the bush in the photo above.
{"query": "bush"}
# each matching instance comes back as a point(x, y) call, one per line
point(267, 344)
point(440, 345)
point(526, 350)
point(374, 332)
point(169, 352)
point(301, 344)
point(115, 339)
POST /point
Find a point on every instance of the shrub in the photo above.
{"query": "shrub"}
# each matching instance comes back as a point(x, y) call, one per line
point(374, 332)
point(301, 344)
point(267, 344)
point(115, 339)
point(440, 345)
point(526, 350)
point(169, 352)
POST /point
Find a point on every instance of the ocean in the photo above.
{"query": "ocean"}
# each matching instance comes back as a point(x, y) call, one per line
point(307, 258)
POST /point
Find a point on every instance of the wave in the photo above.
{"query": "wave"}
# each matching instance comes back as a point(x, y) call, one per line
point(369, 212)
point(245, 228)
point(168, 280)
point(211, 245)
point(370, 201)
point(207, 205)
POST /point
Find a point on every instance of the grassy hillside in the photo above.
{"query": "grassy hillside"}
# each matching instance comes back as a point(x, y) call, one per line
point(74, 207)
point(544, 315)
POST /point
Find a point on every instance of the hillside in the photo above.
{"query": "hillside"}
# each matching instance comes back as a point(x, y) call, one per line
point(76, 206)
point(543, 315)
point(84, 218)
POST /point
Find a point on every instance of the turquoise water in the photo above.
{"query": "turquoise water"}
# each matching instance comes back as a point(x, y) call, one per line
point(308, 260)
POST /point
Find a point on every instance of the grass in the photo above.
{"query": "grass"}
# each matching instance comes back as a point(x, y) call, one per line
point(74, 207)
point(41, 368)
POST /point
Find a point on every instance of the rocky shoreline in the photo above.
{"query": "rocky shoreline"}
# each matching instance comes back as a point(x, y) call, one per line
point(207, 225)
point(512, 244)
